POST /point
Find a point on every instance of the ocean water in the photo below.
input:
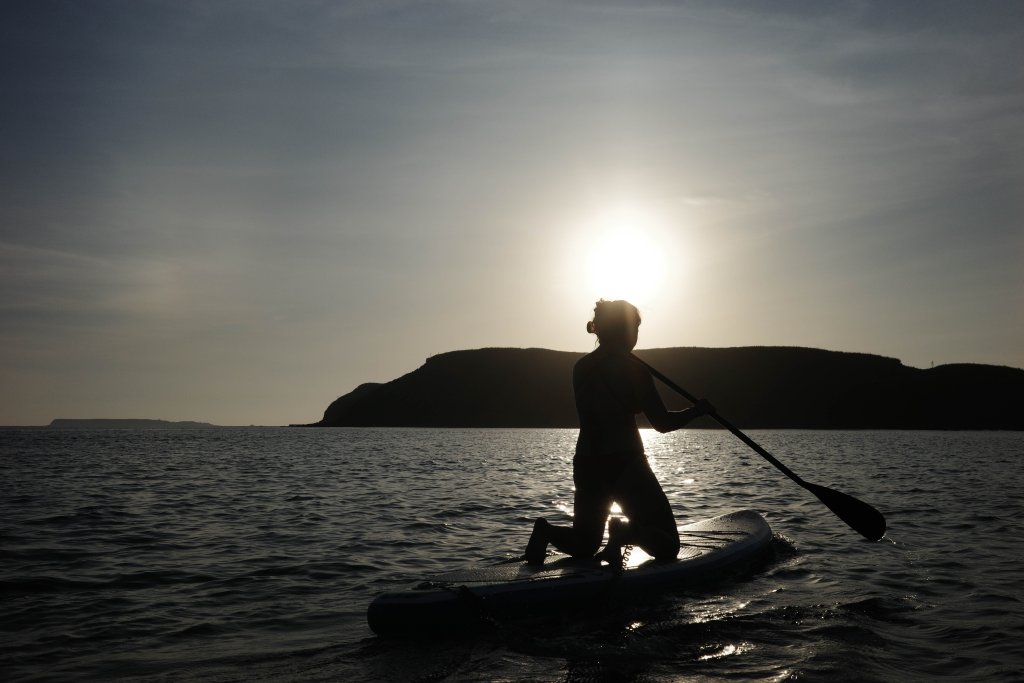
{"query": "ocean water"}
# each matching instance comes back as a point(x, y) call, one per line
point(252, 554)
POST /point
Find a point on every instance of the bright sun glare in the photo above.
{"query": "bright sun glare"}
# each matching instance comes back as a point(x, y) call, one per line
point(625, 261)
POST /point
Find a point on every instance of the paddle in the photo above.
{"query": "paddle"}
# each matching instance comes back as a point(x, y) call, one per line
point(861, 517)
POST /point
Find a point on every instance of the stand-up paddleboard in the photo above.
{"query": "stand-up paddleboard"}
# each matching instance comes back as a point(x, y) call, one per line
point(462, 598)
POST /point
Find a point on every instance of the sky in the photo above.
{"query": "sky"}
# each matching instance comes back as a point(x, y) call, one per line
point(235, 212)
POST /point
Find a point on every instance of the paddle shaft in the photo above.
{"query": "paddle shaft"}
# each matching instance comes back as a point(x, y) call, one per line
point(864, 519)
point(728, 425)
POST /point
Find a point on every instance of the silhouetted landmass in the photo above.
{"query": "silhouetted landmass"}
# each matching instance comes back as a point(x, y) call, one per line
point(753, 387)
point(126, 424)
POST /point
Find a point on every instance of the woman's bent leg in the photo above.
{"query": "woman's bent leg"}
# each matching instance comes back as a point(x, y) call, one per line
point(652, 526)
point(583, 538)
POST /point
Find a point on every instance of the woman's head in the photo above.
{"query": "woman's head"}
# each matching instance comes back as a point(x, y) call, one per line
point(615, 323)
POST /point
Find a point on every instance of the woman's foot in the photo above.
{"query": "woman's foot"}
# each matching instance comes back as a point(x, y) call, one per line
point(618, 531)
point(612, 554)
point(537, 548)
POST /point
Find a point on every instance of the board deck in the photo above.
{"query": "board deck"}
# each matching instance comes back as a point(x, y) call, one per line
point(462, 596)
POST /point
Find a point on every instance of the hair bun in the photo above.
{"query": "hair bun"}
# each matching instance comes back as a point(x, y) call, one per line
point(590, 327)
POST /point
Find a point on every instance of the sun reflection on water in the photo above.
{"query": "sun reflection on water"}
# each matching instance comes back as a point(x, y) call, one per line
point(719, 612)
point(727, 650)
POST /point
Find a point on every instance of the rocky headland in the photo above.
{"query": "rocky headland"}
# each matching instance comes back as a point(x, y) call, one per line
point(753, 387)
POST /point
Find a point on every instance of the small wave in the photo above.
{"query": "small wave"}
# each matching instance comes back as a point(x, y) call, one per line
point(887, 609)
point(84, 515)
point(202, 629)
point(43, 584)
point(782, 547)
point(59, 584)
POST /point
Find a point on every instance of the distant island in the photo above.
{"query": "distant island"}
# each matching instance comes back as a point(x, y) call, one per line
point(126, 424)
point(754, 387)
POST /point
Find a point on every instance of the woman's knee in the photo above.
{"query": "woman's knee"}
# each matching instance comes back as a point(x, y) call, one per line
point(671, 550)
point(588, 540)
point(663, 545)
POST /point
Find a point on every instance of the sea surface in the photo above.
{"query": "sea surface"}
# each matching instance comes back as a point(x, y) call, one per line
point(252, 554)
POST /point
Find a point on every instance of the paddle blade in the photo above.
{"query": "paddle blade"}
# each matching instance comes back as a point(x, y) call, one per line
point(862, 518)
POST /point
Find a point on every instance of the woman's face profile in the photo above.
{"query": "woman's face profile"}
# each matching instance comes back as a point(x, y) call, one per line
point(632, 335)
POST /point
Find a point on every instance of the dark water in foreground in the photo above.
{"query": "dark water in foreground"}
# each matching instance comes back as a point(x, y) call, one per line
point(252, 554)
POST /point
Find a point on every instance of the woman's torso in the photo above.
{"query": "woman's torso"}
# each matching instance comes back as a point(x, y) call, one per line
point(607, 403)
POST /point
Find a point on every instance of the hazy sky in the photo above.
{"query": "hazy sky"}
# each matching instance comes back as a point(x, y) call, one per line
point(237, 211)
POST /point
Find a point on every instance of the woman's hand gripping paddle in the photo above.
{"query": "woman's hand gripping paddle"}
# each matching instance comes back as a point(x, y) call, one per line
point(861, 517)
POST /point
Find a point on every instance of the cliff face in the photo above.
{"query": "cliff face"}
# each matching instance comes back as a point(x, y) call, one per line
point(754, 387)
point(484, 388)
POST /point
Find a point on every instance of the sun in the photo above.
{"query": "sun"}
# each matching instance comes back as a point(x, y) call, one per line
point(625, 260)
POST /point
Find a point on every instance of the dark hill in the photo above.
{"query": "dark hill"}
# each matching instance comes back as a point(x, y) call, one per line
point(484, 388)
point(754, 387)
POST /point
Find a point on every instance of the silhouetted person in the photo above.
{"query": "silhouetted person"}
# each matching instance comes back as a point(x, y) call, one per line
point(611, 387)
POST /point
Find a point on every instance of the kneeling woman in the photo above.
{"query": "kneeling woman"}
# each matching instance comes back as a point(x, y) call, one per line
point(611, 387)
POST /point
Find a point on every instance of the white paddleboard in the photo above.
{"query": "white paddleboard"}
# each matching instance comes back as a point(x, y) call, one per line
point(462, 598)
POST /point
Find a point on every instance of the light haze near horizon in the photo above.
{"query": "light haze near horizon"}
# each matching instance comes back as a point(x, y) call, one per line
point(236, 212)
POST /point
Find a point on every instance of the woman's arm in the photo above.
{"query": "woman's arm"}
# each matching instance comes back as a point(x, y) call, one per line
point(662, 419)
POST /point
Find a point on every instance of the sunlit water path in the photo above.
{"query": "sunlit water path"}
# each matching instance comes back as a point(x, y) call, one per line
point(253, 553)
